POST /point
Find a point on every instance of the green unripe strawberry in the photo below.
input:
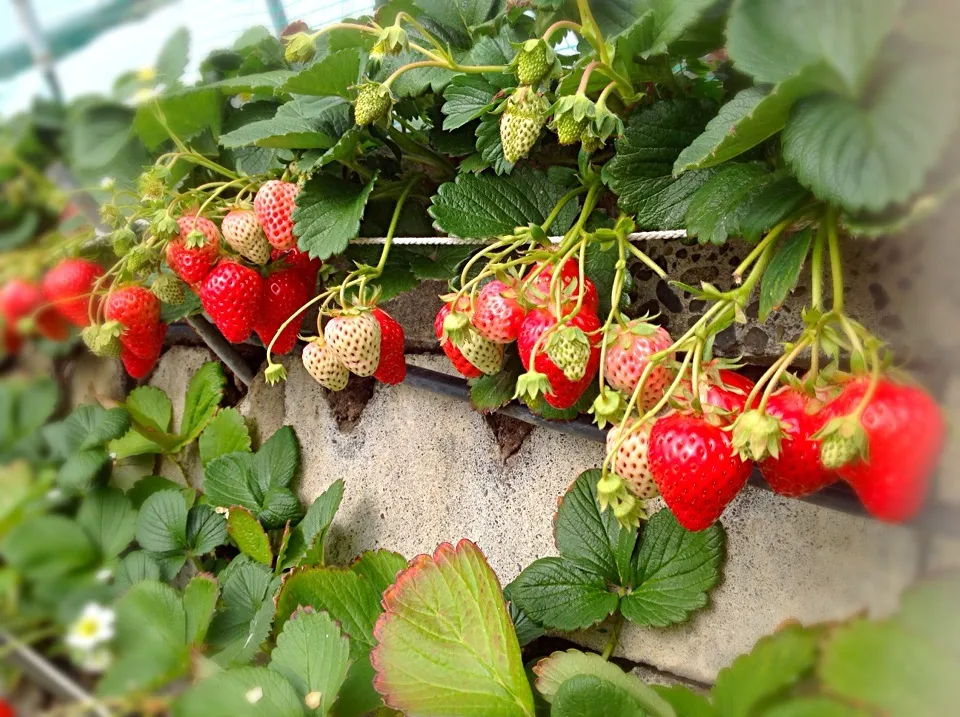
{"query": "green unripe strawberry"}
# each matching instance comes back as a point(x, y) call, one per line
point(589, 141)
point(534, 62)
point(569, 348)
point(568, 129)
point(140, 258)
point(523, 117)
point(123, 240)
point(168, 289)
point(300, 47)
point(373, 103)
point(837, 451)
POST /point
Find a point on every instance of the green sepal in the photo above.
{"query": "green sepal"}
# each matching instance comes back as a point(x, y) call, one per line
point(300, 47)
point(757, 435)
point(608, 407)
point(275, 373)
point(531, 384)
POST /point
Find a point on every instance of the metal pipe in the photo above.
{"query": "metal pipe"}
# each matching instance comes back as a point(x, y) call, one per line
point(222, 348)
point(45, 674)
point(278, 16)
point(39, 48)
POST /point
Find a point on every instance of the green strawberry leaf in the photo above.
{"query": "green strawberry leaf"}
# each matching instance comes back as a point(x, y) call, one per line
point(206, 529)
point(649, 27)
point(685, 701)
point(773, 202)
point(558, 595)
point(675, 569)
point(277, 461)
point(334, 75)
point(488, 393)
point(753, 115)
point(554, 671)
point(641, 173)
point(187, 114)
point(243, 692)
point(204, 395)
point(86, 428)
point(109, 519)
point(775, 40)
point(350, 599)
point(304, 123)
point(780, 276)
point(244, 623)
point(245, 530)
point(328, 214)
point(468, 98)
point(48, 547)
point(162, 523)
point(867, 155)
point(306, 546)
point(430, 653)
point(150, 407)
point(199, 604)
point(485, 206)
point(313, 656)
point(173, 57)
point(591, 539)
point(713, 213)
point(226, 433)
point(150, 647)
point(581, 695)
point(134, 568)
point(863, 662)
point(776, 662)
point(379, 568)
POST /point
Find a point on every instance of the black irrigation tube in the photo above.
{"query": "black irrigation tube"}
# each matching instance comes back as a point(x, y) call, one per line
point(935, 517)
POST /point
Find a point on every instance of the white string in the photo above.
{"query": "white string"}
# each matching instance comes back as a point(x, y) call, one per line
point(446, 241)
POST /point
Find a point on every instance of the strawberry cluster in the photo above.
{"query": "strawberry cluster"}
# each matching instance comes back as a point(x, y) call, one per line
point(554, 323)
point(265, 279)
point(362, 340)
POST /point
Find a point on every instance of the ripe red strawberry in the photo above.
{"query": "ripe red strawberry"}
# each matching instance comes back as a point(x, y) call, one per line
point(905, 432)
point(301, 261)
point(797, 471)
point(231, 296)
point(626, 360)
point(193, 263)
point(722, 391)
point(10, 341)
point(274, 205)
point(570, 280)
point(68, 286)
point(696, 470)
point(137, 310)
point(456, 357)
point(283, 293)
point(564, 392)
point(631, 462)
point(20, 299)
point(355, 338)
point(137, 366)
point(497, 315)
point(244, 235)
point(392, 367)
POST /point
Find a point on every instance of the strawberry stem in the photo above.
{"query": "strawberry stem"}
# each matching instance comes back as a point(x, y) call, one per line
point(836, 262)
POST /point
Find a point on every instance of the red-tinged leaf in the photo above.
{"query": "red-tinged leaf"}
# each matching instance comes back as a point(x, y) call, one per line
point(445, 641)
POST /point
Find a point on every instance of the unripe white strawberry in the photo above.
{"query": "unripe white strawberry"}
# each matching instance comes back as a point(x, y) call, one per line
point(324, 366)
point(627, 353)
point(355, 338)
point(242, 232)
point(631, 463)
point(482, 353)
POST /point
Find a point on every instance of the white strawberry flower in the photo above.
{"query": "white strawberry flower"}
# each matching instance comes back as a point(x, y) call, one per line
point(108, 183)
point(93, 628)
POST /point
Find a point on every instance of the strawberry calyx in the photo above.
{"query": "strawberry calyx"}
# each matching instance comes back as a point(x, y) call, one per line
point(275, 373)
point(608, 406)
point(757, 435)
point(531, 384)
point(844, 442)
